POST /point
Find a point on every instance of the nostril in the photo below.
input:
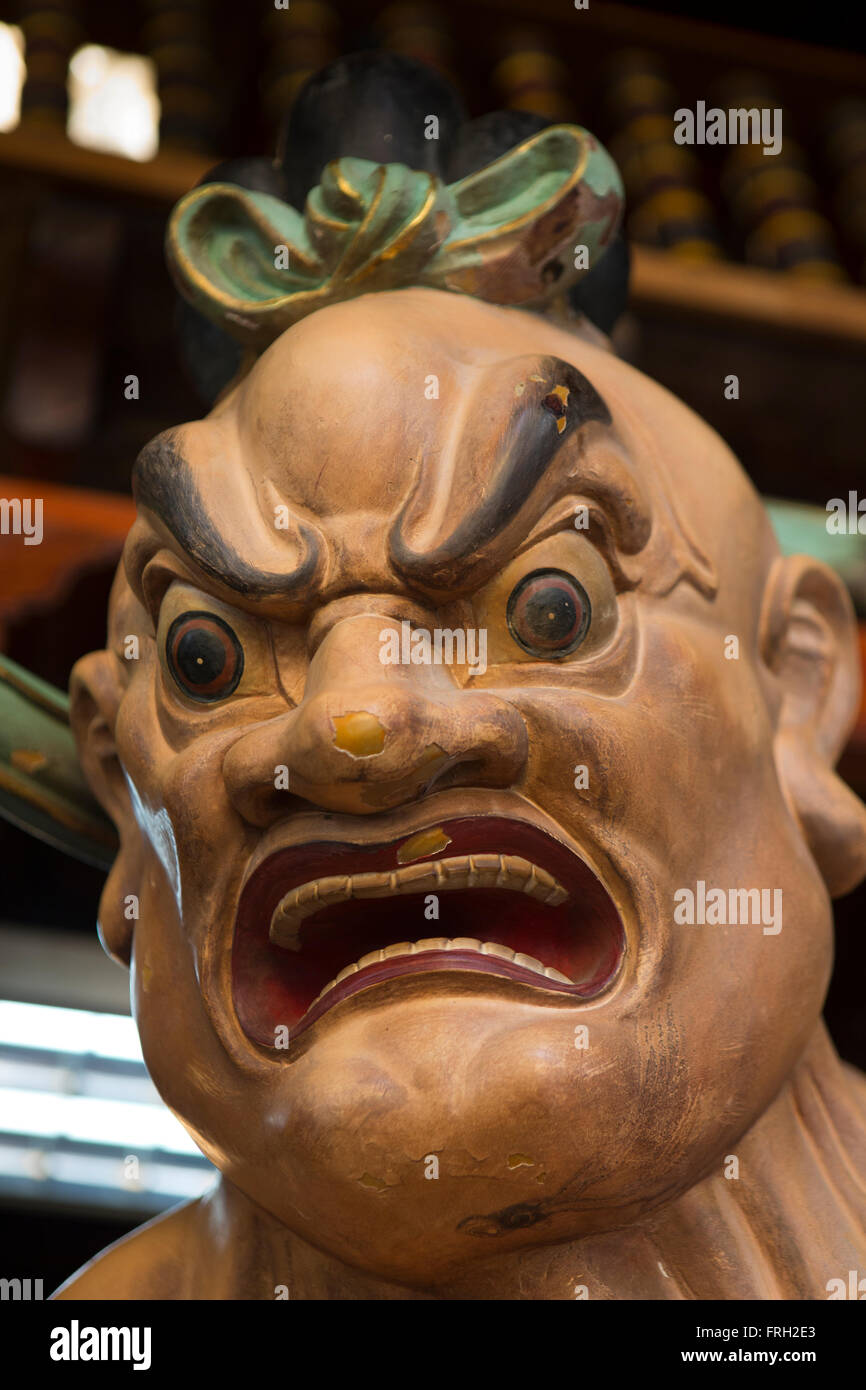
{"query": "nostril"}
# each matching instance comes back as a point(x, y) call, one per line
point(359, 733)
point(461, 773)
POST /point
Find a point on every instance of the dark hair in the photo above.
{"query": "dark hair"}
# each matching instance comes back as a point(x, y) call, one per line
point(373, 105)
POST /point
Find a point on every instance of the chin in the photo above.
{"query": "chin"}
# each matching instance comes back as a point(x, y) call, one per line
point(463, 1125)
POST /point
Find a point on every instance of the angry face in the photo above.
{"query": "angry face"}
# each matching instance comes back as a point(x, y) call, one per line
point(404, 912)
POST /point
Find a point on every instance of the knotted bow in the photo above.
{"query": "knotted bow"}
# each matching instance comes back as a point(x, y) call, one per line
point(519, 231)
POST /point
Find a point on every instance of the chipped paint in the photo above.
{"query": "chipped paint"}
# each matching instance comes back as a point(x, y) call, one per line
point(423, 845)
point(28, 760)
point(520, 1161)
point(556, 401)
point(359, 733)
point(377, 1184)
point(431, 753)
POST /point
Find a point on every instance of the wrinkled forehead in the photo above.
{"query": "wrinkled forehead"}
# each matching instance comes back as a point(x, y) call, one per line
point(382, 388)
point(420, 435)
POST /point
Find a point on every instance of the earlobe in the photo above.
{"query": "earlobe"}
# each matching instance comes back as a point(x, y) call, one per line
point(808, 642)
point(95, 692)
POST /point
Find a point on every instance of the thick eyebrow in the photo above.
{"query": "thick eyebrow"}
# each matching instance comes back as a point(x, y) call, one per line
point(557, 401)
point(163, 482)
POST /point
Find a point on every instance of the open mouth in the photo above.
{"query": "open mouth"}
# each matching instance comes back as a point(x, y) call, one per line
point(319, 922)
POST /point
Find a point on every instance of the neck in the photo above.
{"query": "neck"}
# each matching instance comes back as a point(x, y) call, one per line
point(792, 1218)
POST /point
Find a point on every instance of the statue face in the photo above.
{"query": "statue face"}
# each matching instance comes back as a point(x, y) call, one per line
point(419, 462)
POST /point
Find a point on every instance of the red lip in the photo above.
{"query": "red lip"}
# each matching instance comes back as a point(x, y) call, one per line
point(273, 987)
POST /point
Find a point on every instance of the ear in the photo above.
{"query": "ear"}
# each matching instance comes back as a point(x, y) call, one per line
point(95, 690)
point(808, 640)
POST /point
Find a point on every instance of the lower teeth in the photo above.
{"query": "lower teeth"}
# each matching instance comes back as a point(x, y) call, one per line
point(441, 943)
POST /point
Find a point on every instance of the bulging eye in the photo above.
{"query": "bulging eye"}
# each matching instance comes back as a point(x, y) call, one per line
point(204, 656)
point(549, 613)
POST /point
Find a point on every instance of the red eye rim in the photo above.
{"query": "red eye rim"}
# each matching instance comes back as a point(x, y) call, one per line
point(522, 591)
point(213, 690)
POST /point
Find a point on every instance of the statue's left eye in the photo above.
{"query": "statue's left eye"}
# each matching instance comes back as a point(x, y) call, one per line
point(549, 613)
point(204, 656)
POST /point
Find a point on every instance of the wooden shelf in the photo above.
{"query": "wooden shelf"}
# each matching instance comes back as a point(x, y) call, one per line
point(660, 282)
point(743, 295)
point(165, 178)
point(625, 25)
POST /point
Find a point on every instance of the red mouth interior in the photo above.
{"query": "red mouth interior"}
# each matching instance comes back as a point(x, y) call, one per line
point(583, 938)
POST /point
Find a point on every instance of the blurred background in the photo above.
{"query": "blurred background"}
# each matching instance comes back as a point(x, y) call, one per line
point(741, 265)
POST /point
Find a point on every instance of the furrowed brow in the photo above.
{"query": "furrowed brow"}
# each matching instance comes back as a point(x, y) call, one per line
point(163, 482)
point(556, 402)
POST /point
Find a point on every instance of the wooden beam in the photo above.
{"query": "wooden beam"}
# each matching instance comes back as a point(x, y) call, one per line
point(166, 177)
point(626, 24)
point(743, 295)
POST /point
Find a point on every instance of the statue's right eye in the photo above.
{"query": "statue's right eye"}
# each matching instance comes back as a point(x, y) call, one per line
point(204, 656)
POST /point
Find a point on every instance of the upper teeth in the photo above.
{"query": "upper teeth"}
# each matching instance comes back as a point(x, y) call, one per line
point(445, 875)
point(460, 943)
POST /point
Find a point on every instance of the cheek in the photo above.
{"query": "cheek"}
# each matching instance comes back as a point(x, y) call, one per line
point(683, 759)
point(183, 1053)
point(184, 808)
point(681, 787)
point(165, 992)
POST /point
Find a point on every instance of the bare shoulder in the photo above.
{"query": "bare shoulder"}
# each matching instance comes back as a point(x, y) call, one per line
point(152, 1262)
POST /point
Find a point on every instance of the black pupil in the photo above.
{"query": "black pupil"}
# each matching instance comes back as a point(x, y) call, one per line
point(200, 656)
point(551, 614)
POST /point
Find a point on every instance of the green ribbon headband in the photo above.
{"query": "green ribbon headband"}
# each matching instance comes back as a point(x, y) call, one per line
point(510, 233)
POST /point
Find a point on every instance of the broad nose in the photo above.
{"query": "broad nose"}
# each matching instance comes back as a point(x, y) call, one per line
point(370, 735)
